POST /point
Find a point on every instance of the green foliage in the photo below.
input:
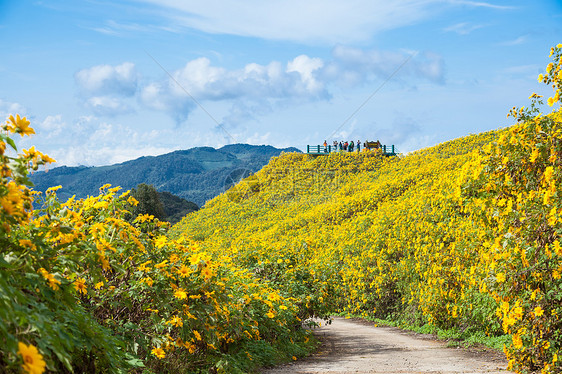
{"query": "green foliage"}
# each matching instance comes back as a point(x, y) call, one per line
point(175, 208)
point(148, 201)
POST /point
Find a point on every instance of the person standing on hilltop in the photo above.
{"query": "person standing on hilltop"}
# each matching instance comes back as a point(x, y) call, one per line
point(359, 146)
point(325, 146)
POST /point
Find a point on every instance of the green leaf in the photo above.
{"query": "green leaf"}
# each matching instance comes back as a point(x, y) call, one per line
point(10, 141)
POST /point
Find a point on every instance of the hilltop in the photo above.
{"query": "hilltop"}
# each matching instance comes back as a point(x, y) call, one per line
point(197, 174)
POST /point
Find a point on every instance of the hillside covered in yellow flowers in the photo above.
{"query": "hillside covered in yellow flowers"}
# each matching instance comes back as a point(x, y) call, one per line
point(463, 235)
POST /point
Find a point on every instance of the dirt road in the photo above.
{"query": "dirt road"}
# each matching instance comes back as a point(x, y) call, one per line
point(354, 346)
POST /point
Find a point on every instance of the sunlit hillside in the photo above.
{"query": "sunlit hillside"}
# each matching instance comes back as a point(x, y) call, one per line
point(357, 232)
point(463, 235)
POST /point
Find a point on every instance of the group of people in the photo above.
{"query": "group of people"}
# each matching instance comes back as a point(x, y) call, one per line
point(344, 145)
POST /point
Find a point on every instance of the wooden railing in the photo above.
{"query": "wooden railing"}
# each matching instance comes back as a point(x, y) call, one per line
point(386, 150)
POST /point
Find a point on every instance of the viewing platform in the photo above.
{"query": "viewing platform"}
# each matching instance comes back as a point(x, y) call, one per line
point(320, 150)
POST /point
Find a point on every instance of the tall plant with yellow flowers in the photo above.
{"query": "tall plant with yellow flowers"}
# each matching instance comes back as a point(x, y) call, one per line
point(519, 190)
point(85, 288)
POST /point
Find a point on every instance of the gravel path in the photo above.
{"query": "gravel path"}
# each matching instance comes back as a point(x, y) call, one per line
point(355, 346)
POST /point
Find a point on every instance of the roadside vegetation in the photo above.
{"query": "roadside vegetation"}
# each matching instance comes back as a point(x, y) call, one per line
point(463, 236)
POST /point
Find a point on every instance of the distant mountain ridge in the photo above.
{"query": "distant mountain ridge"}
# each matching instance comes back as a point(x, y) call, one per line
point(196, 174)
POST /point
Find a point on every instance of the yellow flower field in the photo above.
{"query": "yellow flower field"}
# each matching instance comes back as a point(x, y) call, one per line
point(464, 234)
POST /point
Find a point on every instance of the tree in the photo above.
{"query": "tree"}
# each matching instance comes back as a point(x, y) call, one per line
point(175, 207)
point(149, 201)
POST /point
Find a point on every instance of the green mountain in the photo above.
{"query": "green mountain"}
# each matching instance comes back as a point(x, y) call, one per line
point(197, 174)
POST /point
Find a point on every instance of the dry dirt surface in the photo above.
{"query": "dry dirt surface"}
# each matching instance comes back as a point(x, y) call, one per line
point(357, 346)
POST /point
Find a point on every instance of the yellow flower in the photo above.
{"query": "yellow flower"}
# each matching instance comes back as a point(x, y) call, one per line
point(160, 242)
point(131, 200)
point(46, 159)
point(184, 271)
point(270, 314)
point(197, 335)
point(538, 311)
point(195, 258)
point(33, 362)
point(175, 321)
point(548, 174)
point(518, 313)
point(158, 352)
point(98, 285)
point(80, 285)
point(53, 189)
point(517, 342)
point(206, 272)
point(27, 243)
point(500, 278)
point(101, 205)
point(53, 283)
point(19, 125)
point(180, 294)
point(534, 155)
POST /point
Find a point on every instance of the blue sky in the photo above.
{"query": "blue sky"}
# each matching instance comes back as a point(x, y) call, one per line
point(108, 81)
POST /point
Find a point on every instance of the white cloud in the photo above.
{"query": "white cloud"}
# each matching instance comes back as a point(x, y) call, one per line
point(108, 106)
point(258, 138)
point(106, 79)
point(89, 141)
point(254, 83)
point(169, 98)
point(517, 41)
point(52, 126)
point(7, 108)
point(352, 66)
point(105, 88)
point(94, 154)
point(312, 21)
point(463, 28)
point(481, 4)
point(327, 21)
point(305, 67)
point(255, 88)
